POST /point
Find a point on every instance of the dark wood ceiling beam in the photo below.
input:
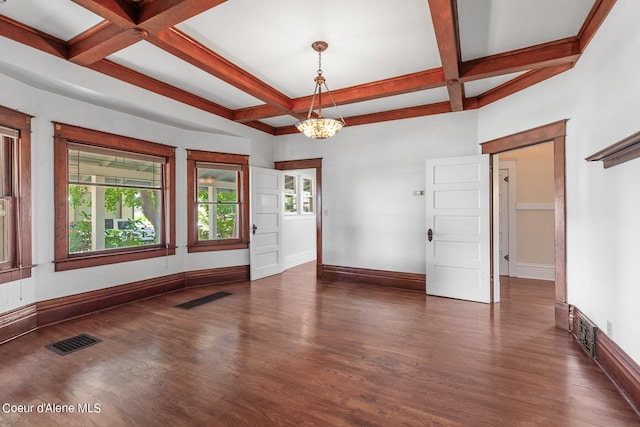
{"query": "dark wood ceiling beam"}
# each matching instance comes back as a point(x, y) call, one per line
point(184, 47)
point(26, 35)
point(520, 83)
point(559, 52)
point(159, 15)
point(445, 24)
point(383, 116)
point(261, 127)
point(408, 83)
point(127, 24)
point(596, 17)
point(118, 12)
point(137, 79)
point(99, 42)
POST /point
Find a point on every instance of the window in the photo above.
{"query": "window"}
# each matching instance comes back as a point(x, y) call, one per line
point(217, 201)
point(15, 195)
point(114, 198)
point(298, 202)
point(307, 195)
point(290, 194)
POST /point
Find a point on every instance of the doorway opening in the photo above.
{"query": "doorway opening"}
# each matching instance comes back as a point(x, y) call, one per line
point(555, 134)
point(309, 164)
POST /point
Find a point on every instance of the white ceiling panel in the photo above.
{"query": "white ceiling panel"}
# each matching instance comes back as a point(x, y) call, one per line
point(155, 62)
point(489, 27)
point(368, 40)
point(60, 18)
point(478, 87)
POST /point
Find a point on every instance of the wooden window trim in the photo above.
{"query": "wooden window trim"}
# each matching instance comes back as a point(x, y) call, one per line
point(22, 123)
point(193, 244)
point(65, 134)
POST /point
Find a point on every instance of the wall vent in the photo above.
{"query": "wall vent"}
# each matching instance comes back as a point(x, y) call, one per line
point(587, 334)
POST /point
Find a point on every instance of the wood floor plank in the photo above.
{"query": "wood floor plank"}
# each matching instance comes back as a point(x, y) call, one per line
point(290, 350)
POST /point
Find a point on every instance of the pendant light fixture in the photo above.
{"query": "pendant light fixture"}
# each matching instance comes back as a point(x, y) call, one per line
point(319, 127)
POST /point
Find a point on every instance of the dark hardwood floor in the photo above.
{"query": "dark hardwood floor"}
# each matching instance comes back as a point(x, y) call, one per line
point(291, 350)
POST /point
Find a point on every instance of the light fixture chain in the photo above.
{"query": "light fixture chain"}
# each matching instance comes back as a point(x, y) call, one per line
point(334, 103)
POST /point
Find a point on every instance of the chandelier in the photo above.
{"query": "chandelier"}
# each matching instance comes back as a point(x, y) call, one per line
point(319, 127)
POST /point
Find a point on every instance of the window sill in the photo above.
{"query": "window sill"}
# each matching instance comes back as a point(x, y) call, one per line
point(13, 274)
point(207, 247)
point(94, 260)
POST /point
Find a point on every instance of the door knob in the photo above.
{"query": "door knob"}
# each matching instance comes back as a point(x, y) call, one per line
point(254, 228)
point(430, 235)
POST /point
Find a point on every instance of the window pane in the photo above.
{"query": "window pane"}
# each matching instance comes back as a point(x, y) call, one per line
point(5, 210)
point(102, 218)
point(123, 171)
point(219, 185)
point(307, 186)
point(290, 203)
point(5, 165)
point(307, 205)
point(217, 221)
point(289, 184)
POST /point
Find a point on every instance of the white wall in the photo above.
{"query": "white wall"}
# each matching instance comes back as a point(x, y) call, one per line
point(371, 219)
point(47, 107)
point(600, 98)
point(299, 230)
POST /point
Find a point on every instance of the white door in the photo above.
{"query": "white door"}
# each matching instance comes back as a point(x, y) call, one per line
point(458, 231)
point(265, 250)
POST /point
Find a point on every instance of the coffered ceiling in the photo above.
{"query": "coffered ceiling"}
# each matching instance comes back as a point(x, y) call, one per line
point(251, 61)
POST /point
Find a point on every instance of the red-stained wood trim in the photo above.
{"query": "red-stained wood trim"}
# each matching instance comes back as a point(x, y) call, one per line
point(17, 322)
point(393, 279)
point(562, 316)
point(620, 152)
point(560, 219)
point(217, 276)
point(401, 113)
point(99, 138)
point(121, 18)
point(64, 308)
point(264, 127)
point(98, 43)
point(63, 134)
point(309, 164)
point(298, 164)
point(118, 12)
point(158, 15)
point(521, 82)
point(23, 245)
point(445, 25)
point(523, 139)
point(408, 83)
point(137, 79)
point(621, 369)
point(534, 57)
point(184, 47)
point(25, 319)
point(555, 133)
point(242, 160)
point(31, 37)
point(597, 15)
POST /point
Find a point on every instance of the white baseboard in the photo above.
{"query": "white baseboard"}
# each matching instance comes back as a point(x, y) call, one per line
point(299, 258)
point(535, 271)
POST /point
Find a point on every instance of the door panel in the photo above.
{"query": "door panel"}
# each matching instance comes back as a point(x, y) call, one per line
point(266, 218)
point(457, 213)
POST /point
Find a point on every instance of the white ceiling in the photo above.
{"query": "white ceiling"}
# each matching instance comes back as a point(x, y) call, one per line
point(369, 41)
